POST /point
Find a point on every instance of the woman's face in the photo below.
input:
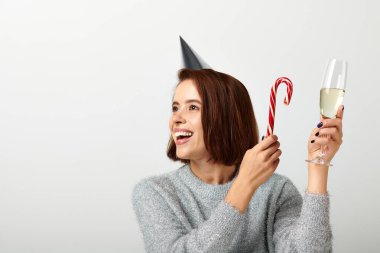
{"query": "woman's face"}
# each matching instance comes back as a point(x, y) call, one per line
point(185, 123)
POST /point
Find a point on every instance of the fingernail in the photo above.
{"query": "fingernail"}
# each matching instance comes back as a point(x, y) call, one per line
point(320, 125)
point(312, 141)
point(262, 138)
point(317, 134)
point(343, 108)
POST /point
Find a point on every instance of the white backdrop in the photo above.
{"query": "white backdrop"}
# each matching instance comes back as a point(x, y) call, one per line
point(85, 92)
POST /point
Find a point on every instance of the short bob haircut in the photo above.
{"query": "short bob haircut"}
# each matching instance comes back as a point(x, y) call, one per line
point(228, 120)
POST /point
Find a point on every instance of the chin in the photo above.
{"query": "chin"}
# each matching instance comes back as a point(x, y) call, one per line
point(183, 156)
point(191, 153)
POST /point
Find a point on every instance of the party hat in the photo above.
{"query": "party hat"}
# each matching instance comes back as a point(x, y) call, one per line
point(190, 58)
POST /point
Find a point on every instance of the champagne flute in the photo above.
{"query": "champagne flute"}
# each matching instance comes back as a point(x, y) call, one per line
point(331, 97)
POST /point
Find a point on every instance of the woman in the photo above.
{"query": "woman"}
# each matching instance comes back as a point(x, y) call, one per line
point(226, 197)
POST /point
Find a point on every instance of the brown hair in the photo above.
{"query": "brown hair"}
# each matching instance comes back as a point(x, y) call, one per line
point(228, 119)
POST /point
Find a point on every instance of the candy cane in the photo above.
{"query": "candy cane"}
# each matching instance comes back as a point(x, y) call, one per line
point(272, 106)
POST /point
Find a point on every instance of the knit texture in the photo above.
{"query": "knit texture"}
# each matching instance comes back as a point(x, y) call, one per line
point(177, 212)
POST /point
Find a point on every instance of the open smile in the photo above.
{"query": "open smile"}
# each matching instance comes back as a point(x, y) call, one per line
point(182, 137)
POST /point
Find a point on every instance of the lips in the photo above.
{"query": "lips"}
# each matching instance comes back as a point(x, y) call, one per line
point(182, 141)
point(182, 136)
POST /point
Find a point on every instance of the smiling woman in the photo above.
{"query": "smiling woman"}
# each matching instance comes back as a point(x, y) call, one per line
point(225, 123)
point(226, 197)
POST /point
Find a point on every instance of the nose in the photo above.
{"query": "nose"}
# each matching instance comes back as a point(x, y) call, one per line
point(179, 117)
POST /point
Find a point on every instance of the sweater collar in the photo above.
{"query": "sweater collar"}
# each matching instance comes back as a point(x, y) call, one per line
point(214, 191)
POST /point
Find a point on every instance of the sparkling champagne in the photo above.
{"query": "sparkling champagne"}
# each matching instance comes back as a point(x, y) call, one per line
point(330, 100)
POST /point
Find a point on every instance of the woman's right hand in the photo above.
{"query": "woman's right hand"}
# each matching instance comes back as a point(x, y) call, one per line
point(260, 162)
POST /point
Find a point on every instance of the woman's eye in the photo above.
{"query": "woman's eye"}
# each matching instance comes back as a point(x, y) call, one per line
point(174, 108)
point(194, 107)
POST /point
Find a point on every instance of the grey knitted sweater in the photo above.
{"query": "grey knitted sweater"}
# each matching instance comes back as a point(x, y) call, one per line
point(177, 212)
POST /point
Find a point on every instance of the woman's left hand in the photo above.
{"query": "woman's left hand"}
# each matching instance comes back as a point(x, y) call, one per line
point(329, 135)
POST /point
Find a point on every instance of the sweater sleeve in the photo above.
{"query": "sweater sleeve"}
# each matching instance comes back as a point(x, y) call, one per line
point(302, 225)
point(163, 231)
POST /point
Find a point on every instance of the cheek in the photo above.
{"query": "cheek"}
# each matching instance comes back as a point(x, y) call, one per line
point(199, 130)
point(197, 122)
point(170, 123)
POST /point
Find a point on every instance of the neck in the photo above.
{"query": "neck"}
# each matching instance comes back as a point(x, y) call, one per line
point(213, 173)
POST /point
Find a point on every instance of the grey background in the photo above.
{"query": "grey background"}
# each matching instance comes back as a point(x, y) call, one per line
point(85, 92)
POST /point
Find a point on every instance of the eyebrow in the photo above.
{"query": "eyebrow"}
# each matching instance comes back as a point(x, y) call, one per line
point(188, 101)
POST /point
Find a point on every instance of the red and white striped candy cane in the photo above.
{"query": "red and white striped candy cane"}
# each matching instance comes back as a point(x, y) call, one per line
point(272, 106)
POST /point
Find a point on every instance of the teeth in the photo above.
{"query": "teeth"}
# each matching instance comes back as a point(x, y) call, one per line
point(177, 134)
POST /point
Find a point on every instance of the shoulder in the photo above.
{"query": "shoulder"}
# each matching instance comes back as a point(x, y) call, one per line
point(152, 184)
point(156, 187)
point(280, 186)
point(277, 181)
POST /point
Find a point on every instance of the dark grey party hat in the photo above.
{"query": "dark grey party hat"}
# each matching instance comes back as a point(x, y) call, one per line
point(190, 58)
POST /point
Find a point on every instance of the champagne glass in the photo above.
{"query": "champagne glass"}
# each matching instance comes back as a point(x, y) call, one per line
point(331, 97)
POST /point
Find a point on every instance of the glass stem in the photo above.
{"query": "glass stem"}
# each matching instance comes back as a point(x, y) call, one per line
point(321, 152)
